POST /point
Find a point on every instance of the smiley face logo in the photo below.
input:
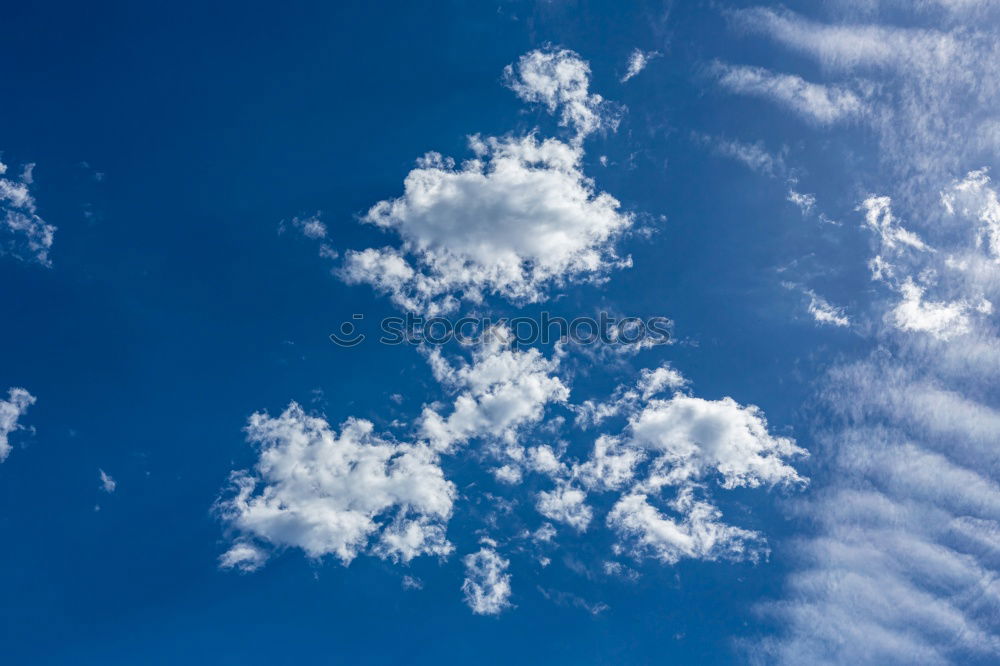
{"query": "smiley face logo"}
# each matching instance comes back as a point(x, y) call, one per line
point(348, 335)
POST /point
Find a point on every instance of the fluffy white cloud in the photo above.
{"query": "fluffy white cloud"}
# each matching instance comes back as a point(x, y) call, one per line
point(518, 219)
point(698, 437)
point(627, 398)
point(560, 80)
point(652, 382)
point(566, 504)
point(487, 583)
point(244, 555)
point(683, 443)
point(30, 236)
point(339, 494)
point(501, 391)
point(816, 102)
point(698, 535)
point(612, 464)
point(11, 410)
point(637, 62)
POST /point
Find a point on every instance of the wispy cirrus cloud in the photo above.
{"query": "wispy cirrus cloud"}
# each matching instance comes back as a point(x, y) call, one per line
point(815, 102)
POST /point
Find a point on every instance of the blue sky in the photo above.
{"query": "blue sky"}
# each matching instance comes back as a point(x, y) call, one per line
point(191, 470)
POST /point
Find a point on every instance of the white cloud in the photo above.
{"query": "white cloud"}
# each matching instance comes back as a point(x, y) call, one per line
point(544, 460)
point(611, 466)
point(516, 220)
point(30, 235)
point(310, 227)
point(698, 535)
point(560, 80)
point(852, 45)
point(942, 320)
point(815, 102)
point(487, 583)
point(244, 555)
point(824, 313)
point(805, 202)
point(637, 62)
point(411, 583)
point(501, 391)
point(627, 398)
point(11, 410)
point(697, 438)
point(108, 484)
point(903, 561)
point(339, 494)
point(652, 382)
point(935, 97)
point(903, 564)
point(903, 568)
point(753, 155)
point(892, 235)
point(972, 197)
point(911, 275)
point(566, 504)
point(683, 442)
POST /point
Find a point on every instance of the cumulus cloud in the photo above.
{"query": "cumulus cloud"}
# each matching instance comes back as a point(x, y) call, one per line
point(637, 62)
point(332, 493)
point(667, 458)
point(487, 583)
point(698, 535)
point(627, 397)
point(28, 235)
point(11, 410)
point(670, 454)
point(698, 437)
point(499, 392)
point(815, 102)
point(516, 220)
point(560, 80)
point(566, 504)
